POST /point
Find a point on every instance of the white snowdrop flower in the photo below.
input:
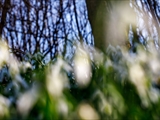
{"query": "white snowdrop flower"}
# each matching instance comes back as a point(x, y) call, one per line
point(82, 67)
point(137, 77)
point(62, 107)
point(154, 95)
point(154, 65)
point(87, 112)
point(4, 53)
point(25, 65)
point(96, 56)
point(26, 101)
point(56, 80)
point(55, 84)
point(4, 104)
point(136, 73)
point(13, 65)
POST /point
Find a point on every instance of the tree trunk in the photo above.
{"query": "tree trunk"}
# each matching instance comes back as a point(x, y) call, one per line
point(110, 21)
point(97, 15)
point(5, 8)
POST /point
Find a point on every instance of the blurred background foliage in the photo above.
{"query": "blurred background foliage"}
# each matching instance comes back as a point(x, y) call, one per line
point(50, 68)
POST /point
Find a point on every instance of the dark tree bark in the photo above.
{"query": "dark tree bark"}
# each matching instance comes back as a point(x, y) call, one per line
point(97, 11)
point(5, 8)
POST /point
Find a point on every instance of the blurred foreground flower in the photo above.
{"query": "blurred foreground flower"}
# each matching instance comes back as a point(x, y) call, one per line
point(26, 101)
point(87, 112)
point(4, 104)
point(82, 67)
point(138, 78)
point(56, 80)
point(25, 66)
point(62, 107)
